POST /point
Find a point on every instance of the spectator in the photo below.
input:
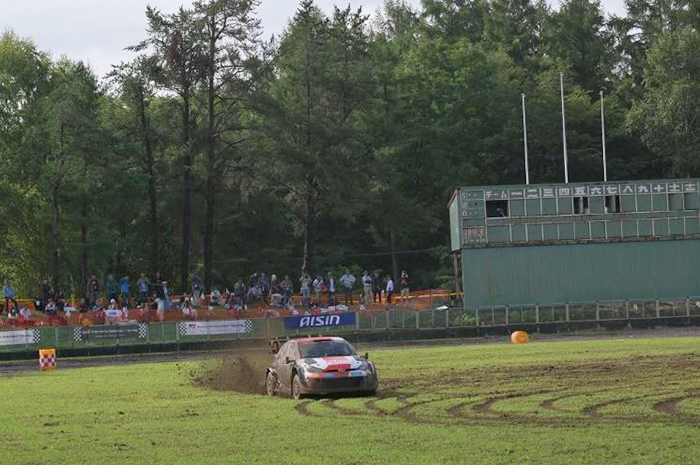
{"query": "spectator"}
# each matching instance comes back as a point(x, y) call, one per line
point(239, 292)
point(112, 313)
point(196, 287)
point(143, 286)
point(187, 308)
point(84, 306)
point(287, 289)
point(367, 286)
point(275, 285)
point(9, 294)
point(264, 286)
point(254, 292)
point(93, 290)
point(51, 308)
point(318, 288)
point(215, 299)
point(111, 288)
point(60, 301)
point(377, 288)
point(159, 288)
point(45, 295)
point(125, 287)
point(305, 285)
point(348, 281)
point(403, 285)
point(25, 314)
point(389, 289)
point(160, 307)
point(331, 290)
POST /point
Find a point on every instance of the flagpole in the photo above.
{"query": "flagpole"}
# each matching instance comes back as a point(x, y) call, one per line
point(563, 129)
point(602, 126)
point(527, 168)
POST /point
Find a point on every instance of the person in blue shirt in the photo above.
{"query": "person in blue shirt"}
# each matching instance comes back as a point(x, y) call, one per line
point(9, 294)
point(125, 286)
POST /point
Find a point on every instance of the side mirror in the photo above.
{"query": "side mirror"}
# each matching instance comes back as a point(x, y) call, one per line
point(367, 356)
point(287, 360)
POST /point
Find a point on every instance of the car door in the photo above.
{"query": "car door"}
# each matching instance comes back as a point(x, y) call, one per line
point(284, 370)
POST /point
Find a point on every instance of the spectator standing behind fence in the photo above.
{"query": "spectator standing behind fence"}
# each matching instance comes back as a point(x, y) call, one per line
point(305, 284)
point(367, 286)
point(287, 288)
point(111, 288)
point(348, 281)
point(389, 289)
point(93, 290)
point(331, 290)
point(196, 288)
point(318, 288)
point(45, 295)
point(264, 286)
point(239, 293)
point(143, 285)
point(125, 286)
point(9, 294)
point(403, 285)
point(377, 288)
point(158, 287)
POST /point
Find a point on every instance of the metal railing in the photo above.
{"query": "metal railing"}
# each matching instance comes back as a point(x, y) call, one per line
point(172, 332)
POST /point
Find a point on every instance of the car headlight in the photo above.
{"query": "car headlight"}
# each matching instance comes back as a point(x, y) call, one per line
point(366, 366)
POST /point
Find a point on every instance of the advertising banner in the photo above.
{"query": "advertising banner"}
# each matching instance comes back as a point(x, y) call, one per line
point(24, 336)
point(202, 328)
point(129, 331)
point(319, 321)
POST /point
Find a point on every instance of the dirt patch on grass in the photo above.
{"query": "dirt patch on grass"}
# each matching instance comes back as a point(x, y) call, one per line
point(241, 372)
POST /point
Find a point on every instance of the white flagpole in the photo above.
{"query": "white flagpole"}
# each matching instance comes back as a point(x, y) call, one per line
point(563, 129)
point(602, 126)
point(527, 168)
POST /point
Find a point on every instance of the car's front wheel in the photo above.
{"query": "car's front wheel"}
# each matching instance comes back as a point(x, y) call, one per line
point(270, 384)
point(296, 388)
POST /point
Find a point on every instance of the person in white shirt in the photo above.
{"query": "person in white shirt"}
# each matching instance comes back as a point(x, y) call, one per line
point(318, 288)
point(331, 289)
point(367, 285)
point(348, 281)
point(389, 288)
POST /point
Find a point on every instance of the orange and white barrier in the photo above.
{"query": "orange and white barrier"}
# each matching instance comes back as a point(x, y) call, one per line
point(47, 359)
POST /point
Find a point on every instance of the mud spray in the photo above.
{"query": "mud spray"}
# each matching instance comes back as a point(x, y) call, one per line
point(241, 372)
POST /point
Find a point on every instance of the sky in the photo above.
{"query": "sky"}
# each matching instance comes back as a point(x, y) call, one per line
point(96, 31)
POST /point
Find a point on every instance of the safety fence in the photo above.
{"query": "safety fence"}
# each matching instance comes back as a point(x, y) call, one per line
point(184, 332)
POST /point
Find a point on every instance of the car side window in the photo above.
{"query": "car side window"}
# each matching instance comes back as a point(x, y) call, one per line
point(282, 352)
point(293, 352)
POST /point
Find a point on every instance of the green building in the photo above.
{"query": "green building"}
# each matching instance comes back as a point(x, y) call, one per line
point(576, 242)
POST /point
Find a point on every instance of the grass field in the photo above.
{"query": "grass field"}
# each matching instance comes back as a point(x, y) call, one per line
point(614, 401)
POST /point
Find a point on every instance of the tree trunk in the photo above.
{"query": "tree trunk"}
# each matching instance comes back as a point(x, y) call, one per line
point(211, 164)
point(152, 195)
point(56, 214)
point(310, 229)
point(187, 195)
point(394, 258)
point(83, 241)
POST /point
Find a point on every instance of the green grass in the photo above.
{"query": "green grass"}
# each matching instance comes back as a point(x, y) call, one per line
point(557, 402)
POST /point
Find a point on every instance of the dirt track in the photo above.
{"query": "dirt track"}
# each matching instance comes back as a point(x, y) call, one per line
point(10, 368)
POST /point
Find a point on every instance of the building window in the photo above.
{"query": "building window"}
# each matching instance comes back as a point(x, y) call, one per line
point(497, 208)
point(612, 204)
point(581, 206)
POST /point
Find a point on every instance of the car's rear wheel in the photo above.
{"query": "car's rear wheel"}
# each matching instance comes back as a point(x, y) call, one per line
point(296, 388)
point(270, 384)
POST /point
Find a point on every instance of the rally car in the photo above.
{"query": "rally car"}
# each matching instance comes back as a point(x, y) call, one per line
point(319, 365)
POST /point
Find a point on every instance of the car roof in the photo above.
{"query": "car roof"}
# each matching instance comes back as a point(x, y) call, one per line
point(318, 339)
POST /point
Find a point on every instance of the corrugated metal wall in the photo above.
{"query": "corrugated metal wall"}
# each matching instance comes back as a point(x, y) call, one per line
point(581, 272)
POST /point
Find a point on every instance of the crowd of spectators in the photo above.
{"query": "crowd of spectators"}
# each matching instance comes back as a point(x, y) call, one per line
point(113, 298)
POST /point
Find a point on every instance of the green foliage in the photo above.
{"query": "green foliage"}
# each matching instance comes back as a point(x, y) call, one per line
point(336, 144)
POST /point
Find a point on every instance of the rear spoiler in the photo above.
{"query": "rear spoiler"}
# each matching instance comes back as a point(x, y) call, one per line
point(275, 343)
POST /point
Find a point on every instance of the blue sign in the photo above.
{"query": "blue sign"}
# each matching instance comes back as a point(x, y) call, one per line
point(318, 321)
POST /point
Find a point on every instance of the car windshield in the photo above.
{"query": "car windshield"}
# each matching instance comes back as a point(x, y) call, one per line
point(325, 349)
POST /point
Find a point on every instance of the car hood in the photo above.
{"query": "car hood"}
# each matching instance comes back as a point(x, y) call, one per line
point(333, 363)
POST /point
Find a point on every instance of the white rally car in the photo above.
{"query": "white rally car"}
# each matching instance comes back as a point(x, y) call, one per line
point(319, 365)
